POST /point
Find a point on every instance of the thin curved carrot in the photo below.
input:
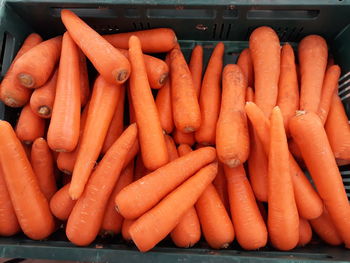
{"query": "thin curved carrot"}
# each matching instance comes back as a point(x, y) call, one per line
point(61, 204)
point(305, 232)
point(84, 80)
point(196, 67)
point(245, 62)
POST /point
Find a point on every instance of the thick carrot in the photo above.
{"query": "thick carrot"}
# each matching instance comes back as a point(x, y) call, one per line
point(186, 111)
point(249, 97)
point(265, 51)
point(220, 184)
point(12, 93)
point(35, 66)
point(163, 103)
point(112, 220)
point(152, 41)
point(288, 89)
point(246, 64)
point(338, 131)
point(84, 80)
point(232, 136)
point(8, 220)
point(61, 204)
point(142, 195)
point(107, 60)
point(43, 98)
point(153, 226)
point(151, 138)
point(308, 132)
point(63, 133)
point(31, 207)
point(116, 126)
point(210, 96)
point(313, 52)
point(89, 210)
point(326, 230)
point(42, 163)
point(29, 126)
point(101, 109)
point(308, 201)
point(196, 67)
point(305, 232)
point(249, 225)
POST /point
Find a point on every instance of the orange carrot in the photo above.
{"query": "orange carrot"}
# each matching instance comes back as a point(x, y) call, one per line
point(249, 94)
point(246, 64)
point(265, 51)
point(186, 111)
point(12, 93)
point(31, 207)
point(89, 210)
point(140, 169)
point(196, 68)
point(210, 96)
point(313, 52)
point(29, 126)
point(288, 90)
point(183, 138)
point(330, 60)
point(249, 225)
point(42, 163)
point(116, 126)
point(171, 147)
point(107, 60)
point(330, 85)
point(61, 204)
point(112, 220)
point(63, 133)
point(132, 117)
point(308, 132)
point(127, 223)
point(220, 184)
point(35, 66)
point(295, 151)
point(101, 109)
point(42, 99)
point(84, 80)
point(151, 138)
point(152, 41)
point(305, 232)
point(232, 136)
point(142, 195)
point(153, 226)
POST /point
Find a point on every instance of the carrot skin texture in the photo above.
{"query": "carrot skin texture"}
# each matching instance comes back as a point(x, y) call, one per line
point(61, 204)
point(196, 67)
point(84, 80)
point(246, 64)
point(183, 138)
point(220, 184)
point(305, 232)
point(35, 219)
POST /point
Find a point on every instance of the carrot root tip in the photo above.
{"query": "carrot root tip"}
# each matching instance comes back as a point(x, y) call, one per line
point(163, 78)
point(122, 75)
point(233, 163)
point(44, 111)
point(26, 80)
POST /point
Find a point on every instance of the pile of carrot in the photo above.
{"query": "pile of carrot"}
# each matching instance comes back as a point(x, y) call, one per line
point(218, 153)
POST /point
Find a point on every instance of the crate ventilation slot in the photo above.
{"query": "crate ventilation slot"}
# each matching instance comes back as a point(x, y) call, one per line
point(6, 52)
point(93, 12)
point(180, 13)
point(346, 181)
point(283, 14)
point(344, 86)
point(221, 31)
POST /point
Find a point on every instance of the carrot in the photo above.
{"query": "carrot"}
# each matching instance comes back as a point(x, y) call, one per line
point(31, 207)
point(326, 230)
point(107, 60)
point(249, 225)
point(29, 126)
point(313, 52)
point(132, 117)
point(171, 147)
point(295, 151)
point(338, 131)
point(112, 220)
point(220, 184)
point(140, 169)
point(84, 80)
point(116, 126)
point(35, 67)
point(42, 99)
point(262, 210)
point(330, 60)
point(305, 232)
point(89, 210)
point(308, 202)
point(246, 64)
point(196, 68)
point(308, 132)
point(232, 136)
point(288, 90)
point(142, 195)
point(330, 85)
point(61, 204)
point(157, 70)
point(12, 93)
point(183, 138)
point(127, 223)
point(209, 99)
point(186, 111)
point(66, 160)
point(63, 133)
point(153, 226)
point(101, 109)
point(42, 163)
point(163, 103)
point(151, 138)
point(8, 220)
point(152, 41)
point(265, 51)
point(249, 95)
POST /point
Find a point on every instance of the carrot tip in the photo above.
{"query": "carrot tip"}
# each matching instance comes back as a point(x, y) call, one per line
point(122, 75)
point(233, 163)
point(300, 112)
point(44, 111)
point(26, 80)
point(163, 78)
point(60, 150)
point(225, 245)
point(189, 129)
point(11, 102)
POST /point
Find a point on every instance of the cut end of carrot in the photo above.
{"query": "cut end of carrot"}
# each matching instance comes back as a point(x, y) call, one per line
point(44, 111)
point(163, 78)
point(225, 245)
point(60, 150)
point(189, 129)
point(26, 80)
point(117, 209)
point(300, 112)
point(233, 163)
point(122, 76)
point(11, 102)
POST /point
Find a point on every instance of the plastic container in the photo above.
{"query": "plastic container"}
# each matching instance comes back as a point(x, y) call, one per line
point(194, 21)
